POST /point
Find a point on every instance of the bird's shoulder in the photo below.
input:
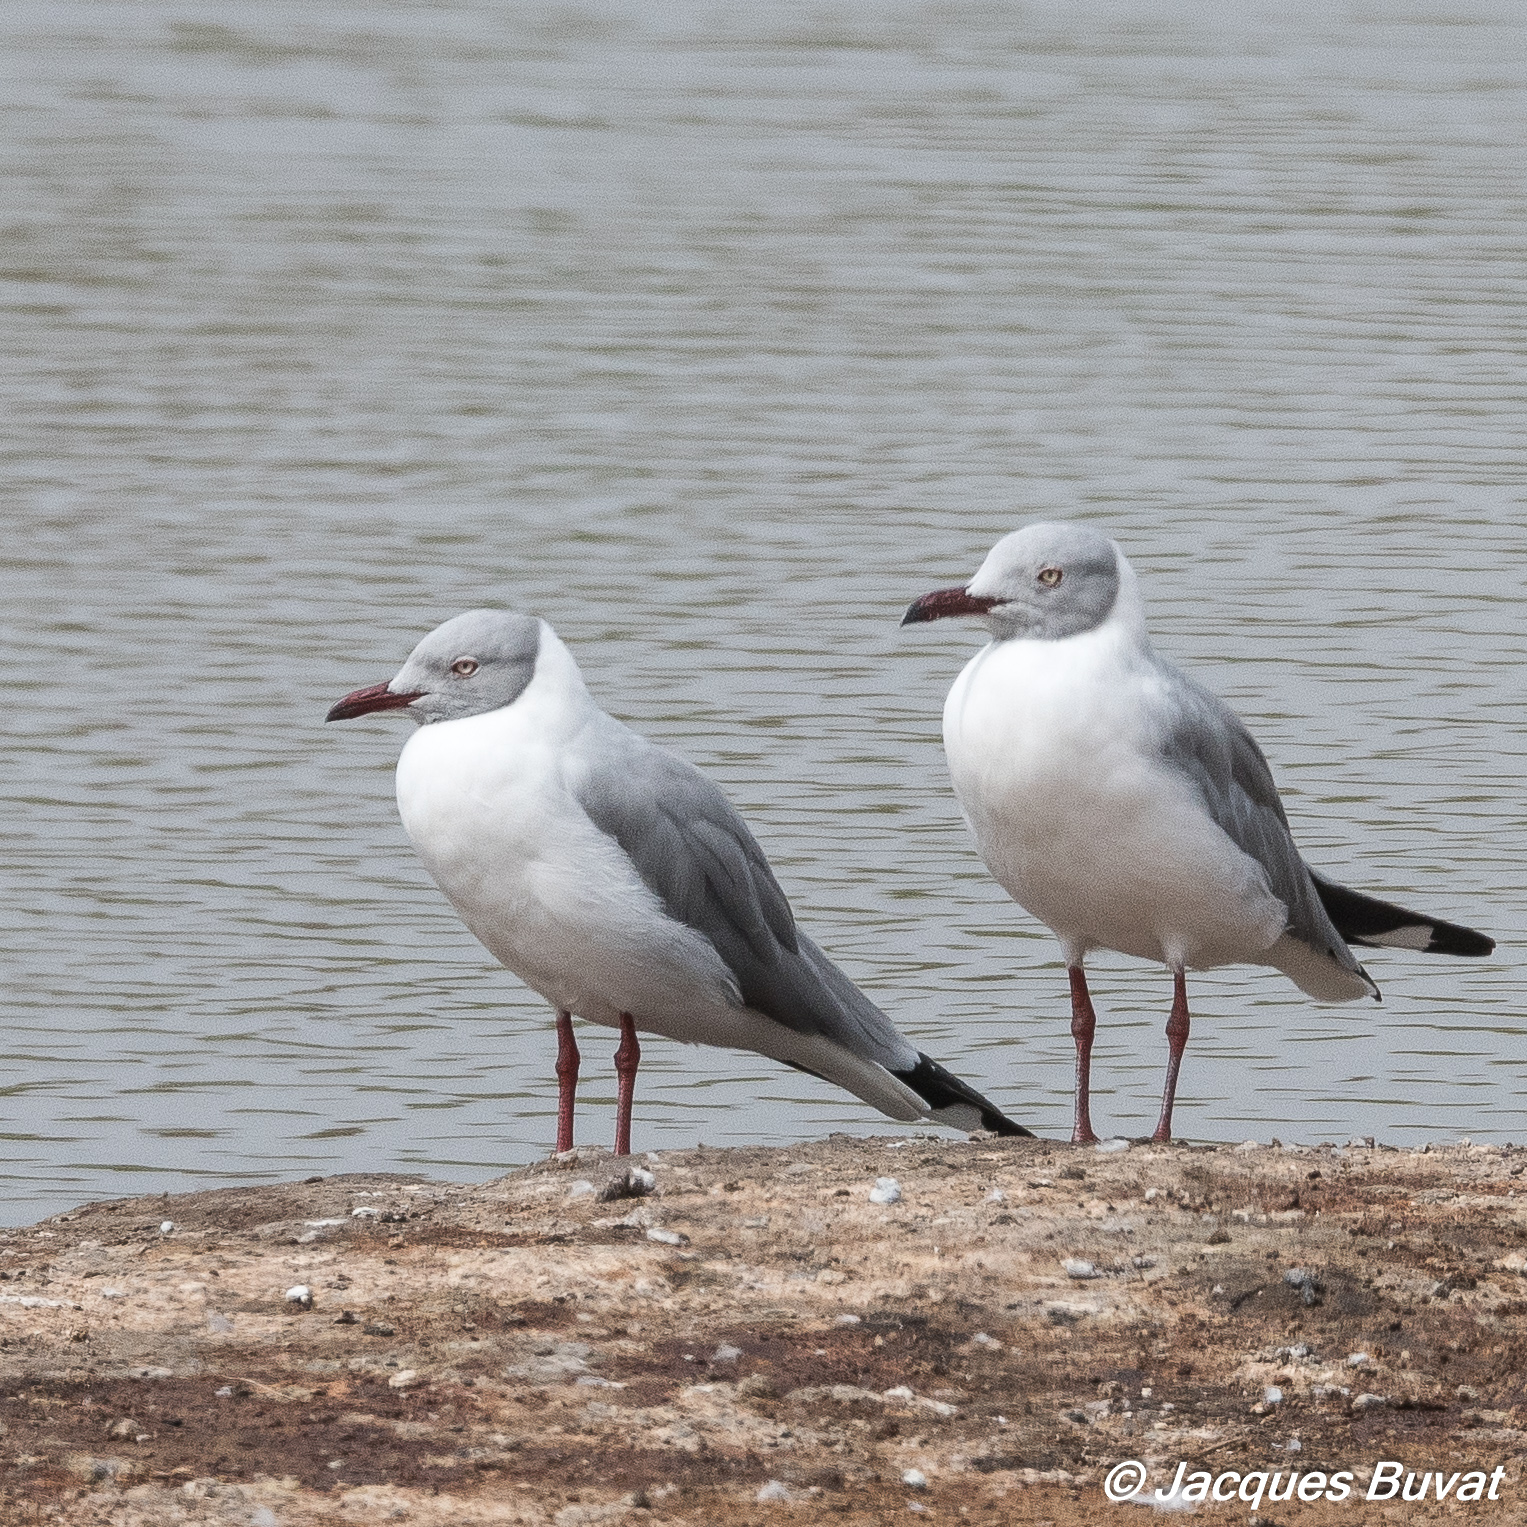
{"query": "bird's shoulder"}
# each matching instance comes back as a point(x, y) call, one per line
point(1199, 734)
point(686, 840)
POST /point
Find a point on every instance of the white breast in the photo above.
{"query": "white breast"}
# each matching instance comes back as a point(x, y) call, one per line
point(1052, 753)
point(486, 804)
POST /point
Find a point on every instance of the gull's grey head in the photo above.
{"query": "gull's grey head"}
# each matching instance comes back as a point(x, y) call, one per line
point(1044, 582)
point(476, 662)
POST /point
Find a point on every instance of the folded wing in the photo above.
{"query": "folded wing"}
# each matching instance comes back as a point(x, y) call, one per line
point(697, 855)
point(1209, 743)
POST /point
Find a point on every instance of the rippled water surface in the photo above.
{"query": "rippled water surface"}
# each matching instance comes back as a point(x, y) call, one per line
point(716, 334)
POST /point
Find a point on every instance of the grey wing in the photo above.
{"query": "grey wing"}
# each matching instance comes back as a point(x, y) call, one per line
point(1209, 744)
point(696, 854)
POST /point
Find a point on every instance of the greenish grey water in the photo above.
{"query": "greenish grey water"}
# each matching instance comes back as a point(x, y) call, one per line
point(716, 335)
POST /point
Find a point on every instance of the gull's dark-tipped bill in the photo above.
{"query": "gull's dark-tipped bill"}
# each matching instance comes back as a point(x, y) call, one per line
point(361, 702)
point(944, 602)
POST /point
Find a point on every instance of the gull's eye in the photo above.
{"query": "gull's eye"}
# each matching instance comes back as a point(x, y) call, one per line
point(1050, 576)
point(465, 667)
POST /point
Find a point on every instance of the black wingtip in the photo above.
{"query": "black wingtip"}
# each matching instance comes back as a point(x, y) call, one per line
point(960, 1104)
point(1374, 924)
point(1000, 1124)
point(1453, 938)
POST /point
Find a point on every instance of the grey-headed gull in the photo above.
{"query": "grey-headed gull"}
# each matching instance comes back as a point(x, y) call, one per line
point(618, 882)
point(1125, 806)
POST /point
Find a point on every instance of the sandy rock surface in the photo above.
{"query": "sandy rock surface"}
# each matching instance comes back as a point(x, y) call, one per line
point(744, 1336)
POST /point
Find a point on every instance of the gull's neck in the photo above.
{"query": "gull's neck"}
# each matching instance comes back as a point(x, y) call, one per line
point(557, 676)
point(1127, 617)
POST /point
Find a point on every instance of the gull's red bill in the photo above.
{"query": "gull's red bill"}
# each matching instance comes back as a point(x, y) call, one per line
point(361, 702)
point(943, 602)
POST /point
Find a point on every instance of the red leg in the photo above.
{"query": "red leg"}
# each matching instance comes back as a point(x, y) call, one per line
point(1177, 1042)
point(567, 1080)
point(627, 1058)
point(1083, 1023)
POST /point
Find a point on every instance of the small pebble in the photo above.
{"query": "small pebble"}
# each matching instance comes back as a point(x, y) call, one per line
point(1111, 1147)
point(1075, 1268)
point(915, 1479)
point(365, 1211)
point(166, 1226)
point(402, 1379)
point(1272, 1395)
point(847, 1320)
point(886, 1191)
point(772, 1491)
point(1306, 1282)
point(667, 1237)
point(1356, 1359)
point(301, 1294)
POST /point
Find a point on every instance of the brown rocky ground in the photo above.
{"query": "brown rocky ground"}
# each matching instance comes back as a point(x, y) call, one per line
point(755, 1341)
